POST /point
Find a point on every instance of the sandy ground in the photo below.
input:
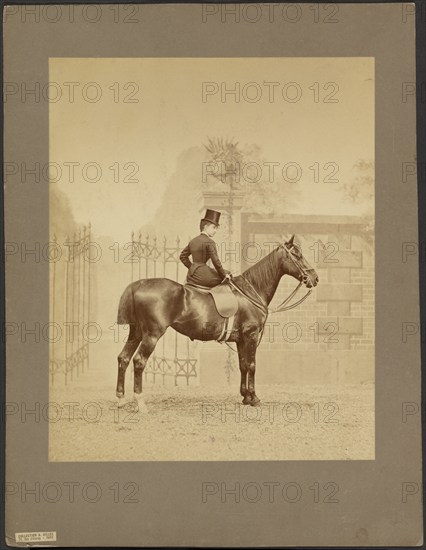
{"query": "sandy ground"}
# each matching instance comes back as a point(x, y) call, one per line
point(294, 422)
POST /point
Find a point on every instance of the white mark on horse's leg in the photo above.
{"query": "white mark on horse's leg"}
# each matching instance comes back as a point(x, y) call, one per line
point(139, 403)
point(121, 401)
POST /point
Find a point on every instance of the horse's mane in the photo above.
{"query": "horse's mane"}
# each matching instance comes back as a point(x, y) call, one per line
point(261, 272)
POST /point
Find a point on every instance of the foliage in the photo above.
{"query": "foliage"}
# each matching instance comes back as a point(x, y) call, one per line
point(360, 190)
point(62, 223)
point(244, 168)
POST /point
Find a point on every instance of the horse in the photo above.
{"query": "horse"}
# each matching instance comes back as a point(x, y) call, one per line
point(150, 306)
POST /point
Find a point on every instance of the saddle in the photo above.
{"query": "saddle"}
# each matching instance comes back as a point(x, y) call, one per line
point(224, 299)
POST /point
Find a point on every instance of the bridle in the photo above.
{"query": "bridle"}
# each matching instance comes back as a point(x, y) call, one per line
point(283, 305)
point(305, 278)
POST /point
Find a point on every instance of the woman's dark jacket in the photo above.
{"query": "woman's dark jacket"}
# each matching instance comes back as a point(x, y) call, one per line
point(202, 248)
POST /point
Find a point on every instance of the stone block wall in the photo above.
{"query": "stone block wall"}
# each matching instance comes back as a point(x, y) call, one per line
point(330, 336)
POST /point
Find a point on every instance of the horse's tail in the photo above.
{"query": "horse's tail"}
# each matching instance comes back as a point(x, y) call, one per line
point(126, 308)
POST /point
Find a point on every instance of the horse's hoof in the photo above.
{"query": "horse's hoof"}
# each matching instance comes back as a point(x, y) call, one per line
point(140, 408)
point(255, 402)
point(247, 401)
point(139, 404)
point(121, 402)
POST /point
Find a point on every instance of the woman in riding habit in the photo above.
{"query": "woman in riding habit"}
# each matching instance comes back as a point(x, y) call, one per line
point(202, 248)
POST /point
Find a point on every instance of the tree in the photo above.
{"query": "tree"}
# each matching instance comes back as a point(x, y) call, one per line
point(360, 191)
point(244, 168)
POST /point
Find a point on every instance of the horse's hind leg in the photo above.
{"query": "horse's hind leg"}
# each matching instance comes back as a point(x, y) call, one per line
point(124, 359)
point(147, 346)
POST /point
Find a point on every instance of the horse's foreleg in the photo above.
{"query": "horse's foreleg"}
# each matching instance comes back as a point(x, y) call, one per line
point(250, 355)
point(243, 370)
point(254, 400)
point(123, 362)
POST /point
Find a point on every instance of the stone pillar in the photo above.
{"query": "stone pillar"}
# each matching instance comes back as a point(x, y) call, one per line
point(216, 358)
point(228, 238)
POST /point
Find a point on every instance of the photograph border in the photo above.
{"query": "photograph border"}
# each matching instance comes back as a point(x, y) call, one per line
point(391, 62)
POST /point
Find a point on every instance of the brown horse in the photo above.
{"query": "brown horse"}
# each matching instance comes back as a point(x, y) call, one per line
point(150, 306)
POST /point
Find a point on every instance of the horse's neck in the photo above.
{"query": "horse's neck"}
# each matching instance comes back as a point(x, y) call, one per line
point(265, 276)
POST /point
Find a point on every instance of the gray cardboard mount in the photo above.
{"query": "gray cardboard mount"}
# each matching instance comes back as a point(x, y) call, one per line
point(380, 500)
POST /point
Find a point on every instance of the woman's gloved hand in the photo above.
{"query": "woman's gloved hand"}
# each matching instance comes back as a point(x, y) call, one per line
point(228, 277)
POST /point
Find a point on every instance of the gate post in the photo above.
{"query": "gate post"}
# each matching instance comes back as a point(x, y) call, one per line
point(229, 202)
point(227, 199)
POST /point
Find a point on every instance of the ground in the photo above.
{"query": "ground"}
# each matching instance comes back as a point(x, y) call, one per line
point(294, 422)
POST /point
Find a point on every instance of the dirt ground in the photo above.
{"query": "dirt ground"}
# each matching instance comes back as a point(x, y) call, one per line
point(294, 422)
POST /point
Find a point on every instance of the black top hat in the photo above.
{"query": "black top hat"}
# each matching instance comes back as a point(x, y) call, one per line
point(211, 216)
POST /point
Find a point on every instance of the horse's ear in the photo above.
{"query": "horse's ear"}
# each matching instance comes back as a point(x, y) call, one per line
point(290, 241)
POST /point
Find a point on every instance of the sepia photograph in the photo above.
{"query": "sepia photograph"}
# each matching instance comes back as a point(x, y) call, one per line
point(214, 227)
point(213, 267)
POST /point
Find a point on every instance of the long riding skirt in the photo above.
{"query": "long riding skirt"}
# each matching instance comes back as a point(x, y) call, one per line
point(202, 274)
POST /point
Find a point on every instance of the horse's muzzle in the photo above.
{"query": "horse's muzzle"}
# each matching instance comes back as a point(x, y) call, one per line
point(310, 280)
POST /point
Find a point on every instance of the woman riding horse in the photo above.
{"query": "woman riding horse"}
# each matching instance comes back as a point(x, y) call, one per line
point(202, 248)
point(150, 306)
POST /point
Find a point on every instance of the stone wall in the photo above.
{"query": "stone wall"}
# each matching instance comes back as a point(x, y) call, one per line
point(329, 338)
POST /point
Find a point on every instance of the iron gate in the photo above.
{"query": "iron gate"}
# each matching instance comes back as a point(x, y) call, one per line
point(175, 355)
point(70, 306)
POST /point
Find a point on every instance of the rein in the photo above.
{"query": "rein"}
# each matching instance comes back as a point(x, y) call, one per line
point(261, 305)
point(283, 305)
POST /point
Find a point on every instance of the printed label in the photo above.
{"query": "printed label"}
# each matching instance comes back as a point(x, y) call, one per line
point(37, 536)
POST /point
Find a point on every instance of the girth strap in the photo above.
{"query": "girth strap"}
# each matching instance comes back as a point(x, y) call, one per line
point(227, 328)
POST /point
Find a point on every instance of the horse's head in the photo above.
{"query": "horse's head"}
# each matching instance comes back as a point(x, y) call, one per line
point(295, 264)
